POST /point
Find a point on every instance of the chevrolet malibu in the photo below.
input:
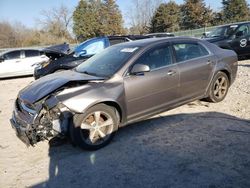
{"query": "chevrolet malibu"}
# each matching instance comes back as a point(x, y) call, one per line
point(123, 84)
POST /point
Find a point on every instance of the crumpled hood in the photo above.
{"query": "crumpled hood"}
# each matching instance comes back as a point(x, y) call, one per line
point(60, 48)
point(48, 84)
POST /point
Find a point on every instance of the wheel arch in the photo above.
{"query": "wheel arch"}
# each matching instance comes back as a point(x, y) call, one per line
point(114, 105)
point(227, 73)
point(117, 107)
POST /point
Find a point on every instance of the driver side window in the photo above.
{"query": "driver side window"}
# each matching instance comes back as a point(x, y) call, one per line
point(156, 58)
point(243, 30)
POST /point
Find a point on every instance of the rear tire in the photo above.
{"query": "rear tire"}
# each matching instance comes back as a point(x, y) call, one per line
point(95, 128)
point(218, 88)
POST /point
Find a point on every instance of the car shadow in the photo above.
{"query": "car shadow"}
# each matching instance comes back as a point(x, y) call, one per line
point(207, 149)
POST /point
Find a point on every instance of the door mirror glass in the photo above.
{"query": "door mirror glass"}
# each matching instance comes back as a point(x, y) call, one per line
point(140, 68)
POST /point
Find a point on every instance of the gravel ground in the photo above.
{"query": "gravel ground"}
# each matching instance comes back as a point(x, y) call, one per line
point(196, 145)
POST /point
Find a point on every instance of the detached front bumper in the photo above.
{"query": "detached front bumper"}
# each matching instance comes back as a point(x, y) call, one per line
point(20, 128)
point(32, 126)
point(38, 73)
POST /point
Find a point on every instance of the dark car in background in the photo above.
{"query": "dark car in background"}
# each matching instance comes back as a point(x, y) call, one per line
point(81, 53)
point(234, 36)
point(122, 84)
point(57, 51)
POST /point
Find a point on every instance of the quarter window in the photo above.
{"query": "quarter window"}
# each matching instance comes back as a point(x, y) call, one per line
point(186, 51)
point(156, 58)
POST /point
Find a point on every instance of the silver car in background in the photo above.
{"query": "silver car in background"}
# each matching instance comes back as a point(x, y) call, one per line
point(123, 84)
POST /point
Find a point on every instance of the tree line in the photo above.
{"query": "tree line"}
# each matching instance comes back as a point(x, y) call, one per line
point(92, 18)
point(194, 14)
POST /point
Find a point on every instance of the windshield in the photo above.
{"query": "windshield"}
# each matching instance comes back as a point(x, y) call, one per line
point(90, 47)
point(224, 31)
point(108, 62)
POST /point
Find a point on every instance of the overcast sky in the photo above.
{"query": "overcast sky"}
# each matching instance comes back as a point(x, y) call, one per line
point(27, 11)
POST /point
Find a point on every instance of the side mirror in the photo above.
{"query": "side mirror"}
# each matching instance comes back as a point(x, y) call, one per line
point(239, 34)
point(140, 68)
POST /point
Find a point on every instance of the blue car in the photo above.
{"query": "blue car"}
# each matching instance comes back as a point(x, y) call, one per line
point(81, 53)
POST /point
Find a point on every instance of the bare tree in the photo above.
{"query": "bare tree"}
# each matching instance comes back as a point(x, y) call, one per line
point(57, 21)
point(141, 14)
point(13, 35)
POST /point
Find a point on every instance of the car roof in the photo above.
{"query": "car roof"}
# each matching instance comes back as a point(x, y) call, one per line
point(132, 37)
point(236, 23)
point(15, 50)
point(146, 42)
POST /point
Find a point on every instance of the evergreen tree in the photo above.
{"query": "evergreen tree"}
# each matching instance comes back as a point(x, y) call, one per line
point(111, 19)
point(85, 20)
point(235, 11)
point(195, 14)
point(95, 18)
point(166, 18)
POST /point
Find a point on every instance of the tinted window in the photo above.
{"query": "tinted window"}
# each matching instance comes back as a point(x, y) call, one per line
point(186, 51)
point(244, 30)
point(156, 58)
point(223, 31)
point(32, 53)
point(12, 55)
point(116, 41)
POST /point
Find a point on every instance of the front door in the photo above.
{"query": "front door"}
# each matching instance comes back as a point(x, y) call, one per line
point(148, 92)
point(241, 40)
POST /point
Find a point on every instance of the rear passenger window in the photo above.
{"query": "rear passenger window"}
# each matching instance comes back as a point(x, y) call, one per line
point(32, 53)
point(186, 51)
point(156, 58)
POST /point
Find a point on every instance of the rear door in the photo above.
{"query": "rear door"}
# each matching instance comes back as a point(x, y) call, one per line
point(151, 91)
point(195, 64)
point(31, 59)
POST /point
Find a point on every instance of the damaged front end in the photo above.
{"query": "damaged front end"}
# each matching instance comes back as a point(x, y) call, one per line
point(43, 120)
point(39, 114)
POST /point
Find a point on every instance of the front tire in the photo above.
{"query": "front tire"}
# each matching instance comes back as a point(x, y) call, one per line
point(218, 88)
point(95, 128)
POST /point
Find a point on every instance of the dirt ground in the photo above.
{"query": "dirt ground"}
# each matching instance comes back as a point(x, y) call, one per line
point(196, 145)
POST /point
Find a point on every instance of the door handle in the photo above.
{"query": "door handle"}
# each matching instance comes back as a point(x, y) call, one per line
point(170, 73)
point(209, 61)
point(18, 61)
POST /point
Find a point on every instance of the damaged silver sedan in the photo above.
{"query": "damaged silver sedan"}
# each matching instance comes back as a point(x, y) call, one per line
point(123, 84)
